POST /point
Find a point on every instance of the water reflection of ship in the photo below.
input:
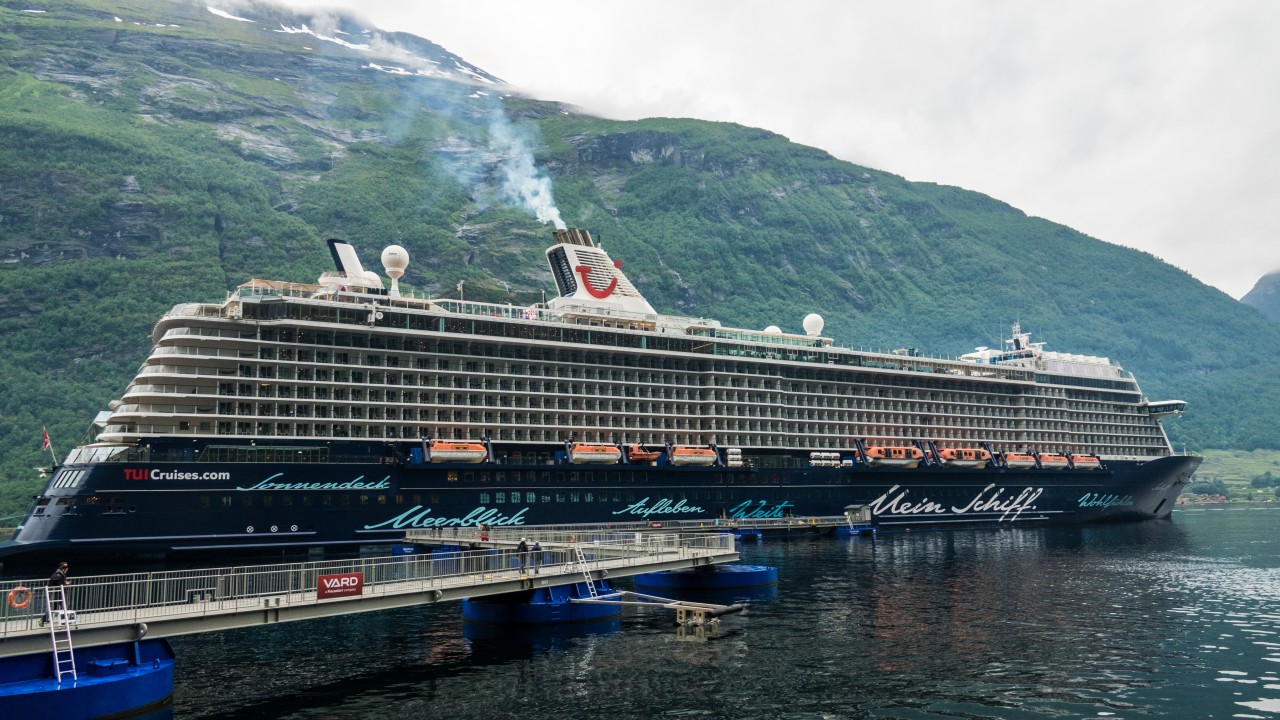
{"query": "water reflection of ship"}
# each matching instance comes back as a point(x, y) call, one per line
point(532, 640)
point(943, 586)
point(396, 653)
point(957, 590)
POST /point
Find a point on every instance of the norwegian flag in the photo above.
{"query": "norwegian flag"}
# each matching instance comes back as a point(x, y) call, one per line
point(46, 439)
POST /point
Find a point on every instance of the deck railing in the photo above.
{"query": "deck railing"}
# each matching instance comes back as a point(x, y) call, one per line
point(141, 597)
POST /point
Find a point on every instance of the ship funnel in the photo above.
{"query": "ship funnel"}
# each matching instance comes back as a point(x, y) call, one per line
point(587, 277)
point(574, 236)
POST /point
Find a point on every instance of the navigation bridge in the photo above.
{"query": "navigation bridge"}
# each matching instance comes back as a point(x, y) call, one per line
point(107, 609)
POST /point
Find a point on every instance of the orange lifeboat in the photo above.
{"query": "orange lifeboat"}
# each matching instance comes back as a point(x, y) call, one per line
point(637, 454)
point(894, 456)
point(1085, 462)
point(442, 451)
point(686, 455)
point(1053, 461)
point(1019, 461)
point(583, 453)
point(964, 457)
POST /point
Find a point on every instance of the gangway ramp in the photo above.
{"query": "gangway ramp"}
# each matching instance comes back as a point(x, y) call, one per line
point(122, 608)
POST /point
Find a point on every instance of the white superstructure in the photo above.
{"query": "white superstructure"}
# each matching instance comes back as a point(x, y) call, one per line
point(345, 360)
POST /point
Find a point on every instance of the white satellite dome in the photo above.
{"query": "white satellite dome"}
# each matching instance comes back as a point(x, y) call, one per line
point(773, 329)
point(813, 323)
point(395, 259)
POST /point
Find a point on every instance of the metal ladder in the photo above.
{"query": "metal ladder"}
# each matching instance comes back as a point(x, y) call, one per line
point(582, 563)
point(64, 657)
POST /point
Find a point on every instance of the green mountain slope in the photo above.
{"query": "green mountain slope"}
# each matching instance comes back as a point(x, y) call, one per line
point(1265, 296)
point(158, 153)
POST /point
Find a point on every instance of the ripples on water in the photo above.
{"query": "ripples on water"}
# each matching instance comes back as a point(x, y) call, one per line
point(1154, 619)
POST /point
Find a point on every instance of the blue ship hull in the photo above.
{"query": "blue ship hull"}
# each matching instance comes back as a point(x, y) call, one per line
point(179, 509)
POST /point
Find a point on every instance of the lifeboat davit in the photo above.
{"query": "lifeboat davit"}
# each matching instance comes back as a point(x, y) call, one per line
point(637, 454)
point(964, 457)
point(1019, 461)
point(1052, 461)
point(583, 453)
point(684, 455)
point(894, 456)
point(1085, 462)
point(443, 451)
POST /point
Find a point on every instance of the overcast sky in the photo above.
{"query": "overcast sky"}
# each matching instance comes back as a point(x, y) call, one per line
point(1153, 125)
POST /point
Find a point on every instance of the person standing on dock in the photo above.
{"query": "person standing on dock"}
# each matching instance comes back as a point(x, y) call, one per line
point(537, 557)
point(522, 552)
point(57, 580)
point(59, 577)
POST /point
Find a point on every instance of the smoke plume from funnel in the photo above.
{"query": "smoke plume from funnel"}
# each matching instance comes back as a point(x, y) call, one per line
point(522, 183)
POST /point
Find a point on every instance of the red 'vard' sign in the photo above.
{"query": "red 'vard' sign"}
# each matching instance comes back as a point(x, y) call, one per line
point(344, 585)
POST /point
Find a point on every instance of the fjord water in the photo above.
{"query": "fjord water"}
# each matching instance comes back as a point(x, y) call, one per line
point(1176, 618)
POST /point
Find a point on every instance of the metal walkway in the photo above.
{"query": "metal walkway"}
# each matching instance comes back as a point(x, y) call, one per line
point(121, 608)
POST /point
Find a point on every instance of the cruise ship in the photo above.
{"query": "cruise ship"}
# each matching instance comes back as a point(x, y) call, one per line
point(333, 416)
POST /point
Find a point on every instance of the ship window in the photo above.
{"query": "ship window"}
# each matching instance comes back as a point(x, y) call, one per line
point(530, 498)
point(246, 500)
point(588, 497)
point(573, 497)
point(205, 501)
point(500, 497)
point(326, 500)
point(453, 476)
point(435, 498)
point(266, 501)
point(484, 498)
point(546, 498)
point(364, 499)
point(287, 500)
point(346, 499)
point(382, 499)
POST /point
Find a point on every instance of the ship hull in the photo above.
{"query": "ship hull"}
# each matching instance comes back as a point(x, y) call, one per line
point(166, 511)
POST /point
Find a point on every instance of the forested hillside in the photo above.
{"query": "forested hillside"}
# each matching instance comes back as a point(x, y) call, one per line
point(157, 152)
point(1265, 296)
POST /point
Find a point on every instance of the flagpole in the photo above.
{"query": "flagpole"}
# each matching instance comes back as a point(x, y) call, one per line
point(49, 444)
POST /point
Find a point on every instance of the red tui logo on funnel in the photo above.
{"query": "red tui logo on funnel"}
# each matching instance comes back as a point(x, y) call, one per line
point(585, 272)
